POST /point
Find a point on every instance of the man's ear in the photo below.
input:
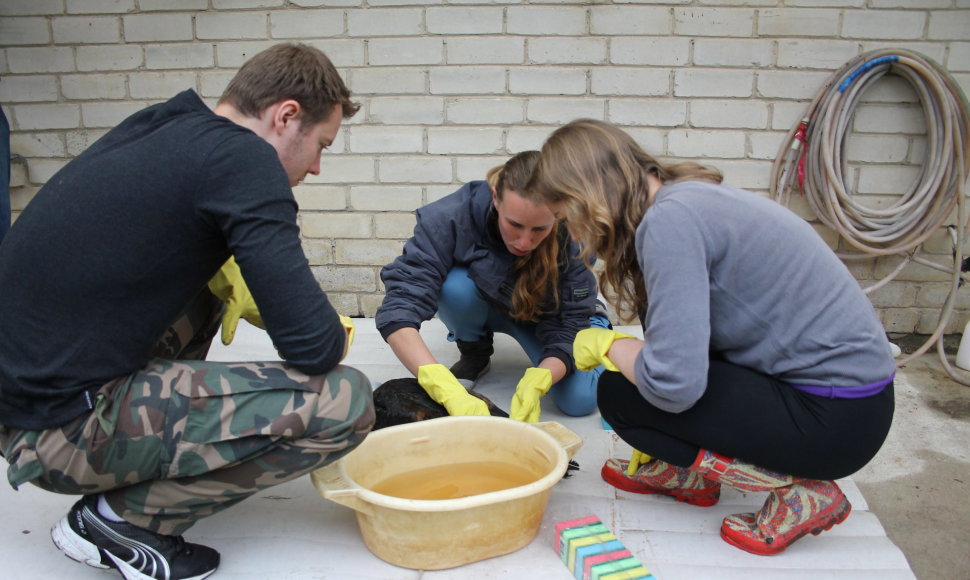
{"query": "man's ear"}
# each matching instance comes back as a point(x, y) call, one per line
point(285, 113)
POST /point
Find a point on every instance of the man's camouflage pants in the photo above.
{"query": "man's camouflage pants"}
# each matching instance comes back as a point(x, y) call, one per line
point(182, 439)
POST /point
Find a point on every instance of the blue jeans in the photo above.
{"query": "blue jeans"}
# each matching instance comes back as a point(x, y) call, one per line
point(470, 318)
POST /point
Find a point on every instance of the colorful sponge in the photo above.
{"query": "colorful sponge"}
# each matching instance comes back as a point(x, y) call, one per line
point(592, 552)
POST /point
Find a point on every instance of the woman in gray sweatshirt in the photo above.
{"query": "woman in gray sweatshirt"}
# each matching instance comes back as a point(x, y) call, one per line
point(763, 366)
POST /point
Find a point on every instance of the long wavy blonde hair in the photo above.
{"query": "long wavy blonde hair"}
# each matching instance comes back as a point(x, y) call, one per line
point(597, 174)
point(537, 273)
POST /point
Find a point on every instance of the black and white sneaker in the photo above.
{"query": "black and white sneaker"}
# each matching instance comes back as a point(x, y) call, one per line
point(83, 535)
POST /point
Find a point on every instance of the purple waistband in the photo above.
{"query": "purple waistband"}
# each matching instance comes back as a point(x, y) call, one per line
point(846, 392)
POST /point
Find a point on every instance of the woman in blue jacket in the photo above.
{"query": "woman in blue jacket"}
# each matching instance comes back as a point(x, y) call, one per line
point(486, 259)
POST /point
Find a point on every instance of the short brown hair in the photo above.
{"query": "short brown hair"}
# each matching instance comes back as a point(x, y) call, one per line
point(290, 71)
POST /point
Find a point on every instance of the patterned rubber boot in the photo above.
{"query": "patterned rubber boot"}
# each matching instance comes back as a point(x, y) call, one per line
point(475, 359)
point(788, 514)
point(660, 477)
point(739, 474)
point(794, 508)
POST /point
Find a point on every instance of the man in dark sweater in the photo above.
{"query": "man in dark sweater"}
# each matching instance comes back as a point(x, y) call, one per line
point(107, 316)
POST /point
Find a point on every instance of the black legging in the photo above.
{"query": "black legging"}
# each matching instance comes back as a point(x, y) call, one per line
point(753, 417)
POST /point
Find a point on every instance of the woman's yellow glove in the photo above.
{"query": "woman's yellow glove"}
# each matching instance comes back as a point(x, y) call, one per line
point(591, 346)
point(445, 389)
point(525, 403)
point(636, 460)
point(228, 285)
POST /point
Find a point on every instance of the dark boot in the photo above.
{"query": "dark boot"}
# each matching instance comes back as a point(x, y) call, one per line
point(474, 360)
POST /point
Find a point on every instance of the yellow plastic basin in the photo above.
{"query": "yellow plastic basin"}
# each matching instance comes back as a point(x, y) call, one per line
point(438, 534)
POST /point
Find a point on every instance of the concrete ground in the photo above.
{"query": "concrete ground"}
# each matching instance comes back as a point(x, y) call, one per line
point(909, 519)
point(919, 483)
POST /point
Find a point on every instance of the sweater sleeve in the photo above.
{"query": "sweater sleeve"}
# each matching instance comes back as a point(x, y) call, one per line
point(673, 249)
point(413, 281)
point(250, 198)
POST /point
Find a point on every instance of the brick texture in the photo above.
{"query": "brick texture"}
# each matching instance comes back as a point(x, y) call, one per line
point(450, 89)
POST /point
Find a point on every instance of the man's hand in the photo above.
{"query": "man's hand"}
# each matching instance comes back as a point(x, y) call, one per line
point(348, 325)
point(228, 285)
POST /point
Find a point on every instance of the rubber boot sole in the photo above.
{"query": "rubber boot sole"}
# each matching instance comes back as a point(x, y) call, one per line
point(703, 498)
point(834, 515)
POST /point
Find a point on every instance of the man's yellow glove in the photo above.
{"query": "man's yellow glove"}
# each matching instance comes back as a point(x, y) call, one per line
point(349, 327)
point(636, 460)
point(591, 347)
point(525, 403)
point(445, 389)
point(351, 331)
point(228, 285)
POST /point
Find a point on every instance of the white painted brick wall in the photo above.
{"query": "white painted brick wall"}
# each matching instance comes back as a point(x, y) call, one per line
point(458, 140)
point(109, 57)
point(451, 88)
point(461, 20)
point(478, 50)
point(178, 56)
point(559, 111)
point(73, 30)
point(630, 20)
point(29, 88)
point(488, 111)
point(385, 139)
point(163, 27)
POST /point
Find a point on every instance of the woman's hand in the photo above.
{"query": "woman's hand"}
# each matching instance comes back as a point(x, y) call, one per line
point(533, 385)
point(592, 347)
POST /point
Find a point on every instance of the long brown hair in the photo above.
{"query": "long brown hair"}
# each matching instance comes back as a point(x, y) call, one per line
point(536, 273)
point(598, 174)
point(290, 71)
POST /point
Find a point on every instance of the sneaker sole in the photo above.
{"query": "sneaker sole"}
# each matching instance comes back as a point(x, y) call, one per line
point(80, 550)
point(702, 499)
point(131, 573)
point(75, 547)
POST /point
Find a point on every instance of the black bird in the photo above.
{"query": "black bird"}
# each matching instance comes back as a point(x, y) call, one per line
point(400, 401)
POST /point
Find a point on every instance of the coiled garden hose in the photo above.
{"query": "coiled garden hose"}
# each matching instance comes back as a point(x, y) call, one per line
point(812, 159)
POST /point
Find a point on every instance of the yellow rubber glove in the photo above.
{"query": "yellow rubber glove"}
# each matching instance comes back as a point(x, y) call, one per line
point(445, 389)
point(636, 460)
point(525, 403)
point(591, 346)
point(351, 331)
point(349, 327)
point(229, 286)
